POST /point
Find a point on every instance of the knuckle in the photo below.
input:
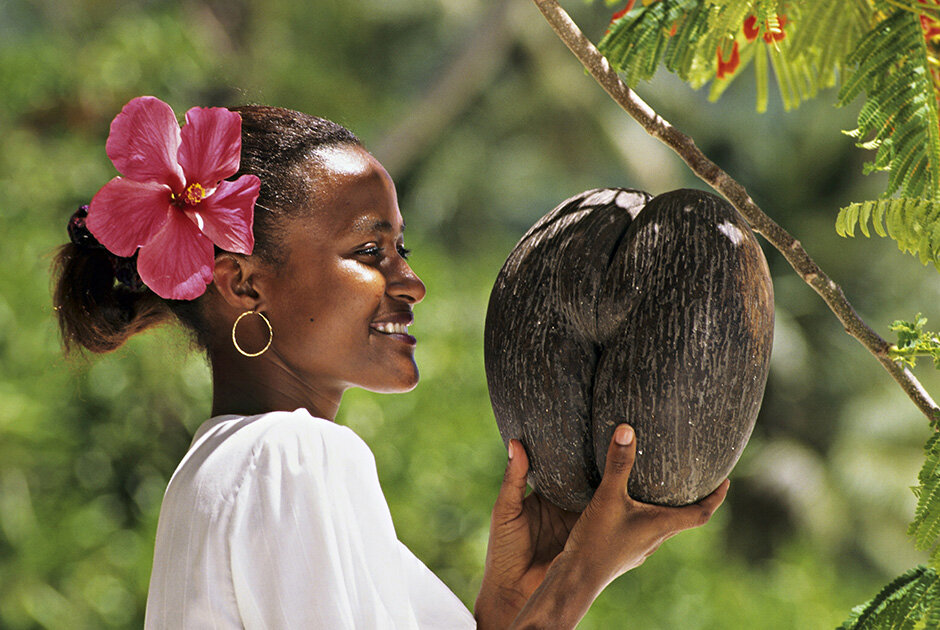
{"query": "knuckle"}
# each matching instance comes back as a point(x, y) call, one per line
point(618, 465)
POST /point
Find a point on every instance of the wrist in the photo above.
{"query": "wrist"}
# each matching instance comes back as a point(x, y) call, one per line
point(497, 606)
point(569, 589)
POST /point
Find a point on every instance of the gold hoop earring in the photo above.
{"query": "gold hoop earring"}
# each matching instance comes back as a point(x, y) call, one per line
point(270, 334)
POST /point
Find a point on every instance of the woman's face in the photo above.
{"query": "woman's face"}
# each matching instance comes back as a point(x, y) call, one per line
point(341, 304)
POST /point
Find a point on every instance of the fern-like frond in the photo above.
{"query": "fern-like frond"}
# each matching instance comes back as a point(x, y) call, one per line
point(796, 76)
point(913, 223)
point(685, 36)
point(900, 119)
point(827, 33)
point(913, 6)
point(931, 617)
point(902, 604)
point(636, 43)
point(925, 528)
point(913, 342)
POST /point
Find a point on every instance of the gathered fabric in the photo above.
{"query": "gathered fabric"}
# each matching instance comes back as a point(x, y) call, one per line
point(279, 521)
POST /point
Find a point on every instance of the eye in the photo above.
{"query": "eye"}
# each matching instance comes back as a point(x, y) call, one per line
point(403, 252)
point(369, 250)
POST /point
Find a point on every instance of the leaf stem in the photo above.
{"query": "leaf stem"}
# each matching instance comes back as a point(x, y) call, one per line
point(709, 172)
point(919, 10)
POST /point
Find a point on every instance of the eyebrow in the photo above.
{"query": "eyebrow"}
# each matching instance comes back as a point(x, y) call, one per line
point(367, 225)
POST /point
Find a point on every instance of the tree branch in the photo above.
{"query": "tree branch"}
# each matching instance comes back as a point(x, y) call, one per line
point(709, 172)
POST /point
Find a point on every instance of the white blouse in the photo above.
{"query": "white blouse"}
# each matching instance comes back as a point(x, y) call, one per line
point(278, 521)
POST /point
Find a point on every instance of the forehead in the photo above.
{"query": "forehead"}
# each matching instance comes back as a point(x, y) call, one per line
point(351, 192)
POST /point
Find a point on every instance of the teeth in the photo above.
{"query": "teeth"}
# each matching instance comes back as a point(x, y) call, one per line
point(389, 329)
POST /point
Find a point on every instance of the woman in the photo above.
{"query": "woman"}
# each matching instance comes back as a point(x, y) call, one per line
point(293, 277)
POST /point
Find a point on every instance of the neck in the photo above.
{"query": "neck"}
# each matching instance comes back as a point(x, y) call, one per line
point(252, 385)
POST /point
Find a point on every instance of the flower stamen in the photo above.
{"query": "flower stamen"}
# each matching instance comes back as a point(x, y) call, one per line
point(194, 194)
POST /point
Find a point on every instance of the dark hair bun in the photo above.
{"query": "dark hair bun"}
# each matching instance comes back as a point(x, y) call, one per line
point(94, 309)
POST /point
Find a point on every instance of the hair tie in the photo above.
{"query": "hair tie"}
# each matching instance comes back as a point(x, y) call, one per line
point(124, 269)
point(78, 231)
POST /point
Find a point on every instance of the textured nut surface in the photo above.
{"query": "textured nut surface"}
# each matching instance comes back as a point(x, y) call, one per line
point(618, 307)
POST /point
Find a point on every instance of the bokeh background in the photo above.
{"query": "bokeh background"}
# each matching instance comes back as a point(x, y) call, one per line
point(486, 122)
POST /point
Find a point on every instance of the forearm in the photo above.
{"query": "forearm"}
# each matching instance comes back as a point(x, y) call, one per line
point(562, 599)
point(496, 608)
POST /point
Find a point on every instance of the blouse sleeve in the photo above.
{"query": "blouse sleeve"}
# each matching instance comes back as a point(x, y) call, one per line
point(312, 543)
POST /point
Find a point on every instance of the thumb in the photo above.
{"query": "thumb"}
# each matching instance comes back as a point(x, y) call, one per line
point(512, 491)
point(620, 457)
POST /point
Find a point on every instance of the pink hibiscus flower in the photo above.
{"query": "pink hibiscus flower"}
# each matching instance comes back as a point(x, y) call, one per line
point(172, 202)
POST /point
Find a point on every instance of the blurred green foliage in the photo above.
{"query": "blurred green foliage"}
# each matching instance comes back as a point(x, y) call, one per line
point(816, 516)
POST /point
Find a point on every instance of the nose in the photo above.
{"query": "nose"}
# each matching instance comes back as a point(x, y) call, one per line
point(404, 284)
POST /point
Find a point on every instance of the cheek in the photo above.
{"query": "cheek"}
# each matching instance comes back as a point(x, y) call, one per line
point(358, 282)
point(348, 299)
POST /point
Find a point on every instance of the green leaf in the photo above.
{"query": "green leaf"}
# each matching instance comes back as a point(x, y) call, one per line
point(913, 223)
point(899, 119)
point(901, 604)
point(827, 33)
point(925, 528)
point(684, 35)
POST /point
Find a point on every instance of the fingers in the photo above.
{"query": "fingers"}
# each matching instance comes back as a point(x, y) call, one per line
point(512, 491)
point(699, 513)
point(716, 498)
point(620, 457)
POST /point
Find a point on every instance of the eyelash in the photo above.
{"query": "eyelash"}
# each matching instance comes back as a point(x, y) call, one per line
point(376, 250)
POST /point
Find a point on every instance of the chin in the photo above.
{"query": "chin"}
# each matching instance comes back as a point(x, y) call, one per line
point(404, 381)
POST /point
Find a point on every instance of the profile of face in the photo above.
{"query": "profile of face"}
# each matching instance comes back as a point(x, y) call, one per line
point(341, 303)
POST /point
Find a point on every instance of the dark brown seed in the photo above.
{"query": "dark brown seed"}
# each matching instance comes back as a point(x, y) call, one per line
point(618, 307)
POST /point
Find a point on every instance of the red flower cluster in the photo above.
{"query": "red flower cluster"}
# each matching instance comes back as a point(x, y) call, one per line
point(930, 26)
point(752, 30)
point(619, 14)
point(622, 12)
point(727, 68)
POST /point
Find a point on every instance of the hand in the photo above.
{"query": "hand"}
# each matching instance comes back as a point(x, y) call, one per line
point(613, 535)
point(616, 533)
point(526, 533)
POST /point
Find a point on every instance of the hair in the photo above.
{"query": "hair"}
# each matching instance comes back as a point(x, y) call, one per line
point(99, 312)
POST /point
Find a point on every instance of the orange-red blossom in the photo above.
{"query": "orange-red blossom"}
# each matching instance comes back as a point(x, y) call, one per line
point(727, 68)
point(930, 26)
point(752, 30)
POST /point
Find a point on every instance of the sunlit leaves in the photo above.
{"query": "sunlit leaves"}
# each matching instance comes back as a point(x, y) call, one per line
point(695, 39)
point(899, 120)
point(913, 223)
point(911, 599)
point(914, 341)
point(925, 528)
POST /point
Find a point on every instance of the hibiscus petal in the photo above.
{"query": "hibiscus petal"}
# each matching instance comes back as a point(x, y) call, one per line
point(144, 141)
point(226, 216)
point(177, 264)
point(211, 145)
point(125, 214)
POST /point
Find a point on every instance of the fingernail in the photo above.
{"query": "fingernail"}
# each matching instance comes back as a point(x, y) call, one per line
point(623, 435)
point(510, 450)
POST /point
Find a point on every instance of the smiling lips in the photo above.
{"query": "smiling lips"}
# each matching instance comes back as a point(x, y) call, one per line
point(396, 326)
point(389, 328)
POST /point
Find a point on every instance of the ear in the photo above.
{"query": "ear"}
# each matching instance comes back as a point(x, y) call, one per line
point(233, 277)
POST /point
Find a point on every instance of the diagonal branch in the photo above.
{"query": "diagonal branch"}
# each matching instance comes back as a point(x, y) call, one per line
point(709, 172)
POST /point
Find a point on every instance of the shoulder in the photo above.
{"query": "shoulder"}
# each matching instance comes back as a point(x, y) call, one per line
point(297, 438)
point(230, 451)
point(287, 429)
